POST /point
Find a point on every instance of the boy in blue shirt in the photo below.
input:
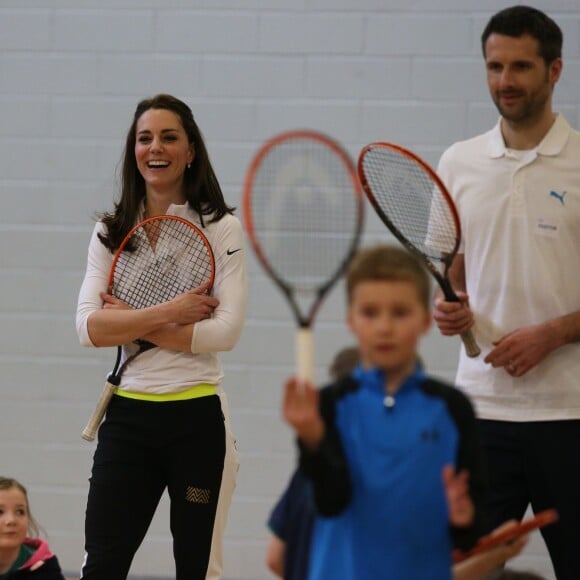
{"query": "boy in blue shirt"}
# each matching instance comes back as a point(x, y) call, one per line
point(393, 455)
point(292, 518)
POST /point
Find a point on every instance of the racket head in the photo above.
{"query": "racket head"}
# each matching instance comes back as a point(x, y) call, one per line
point(160, 258)
point(412, 201)
point(303, 211)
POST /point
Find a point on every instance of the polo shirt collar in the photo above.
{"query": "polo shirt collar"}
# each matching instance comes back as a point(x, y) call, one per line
point(551, 145)
point(374, 378)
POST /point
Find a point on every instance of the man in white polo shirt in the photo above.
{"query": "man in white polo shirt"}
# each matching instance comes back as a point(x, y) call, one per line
point(517, 190)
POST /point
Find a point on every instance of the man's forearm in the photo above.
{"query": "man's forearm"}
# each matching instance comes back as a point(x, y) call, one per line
point(567, 327)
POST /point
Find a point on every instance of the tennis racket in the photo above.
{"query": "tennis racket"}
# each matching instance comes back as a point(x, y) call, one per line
point(160, 258)
point(414, 204)
point(490, 541)
point(303, 212)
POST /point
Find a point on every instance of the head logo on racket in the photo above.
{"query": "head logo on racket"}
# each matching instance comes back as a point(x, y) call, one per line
point(303, 212)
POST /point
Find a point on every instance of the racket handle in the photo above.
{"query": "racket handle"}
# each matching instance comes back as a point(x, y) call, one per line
point(471, 347)
point(304, 354)
point(90, 431)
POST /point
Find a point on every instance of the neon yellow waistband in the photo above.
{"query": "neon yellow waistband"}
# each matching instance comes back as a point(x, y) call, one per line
point(195, 392)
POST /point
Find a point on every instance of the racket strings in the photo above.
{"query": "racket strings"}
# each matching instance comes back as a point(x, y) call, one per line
point(168, 258)
point(304, 211)
point(412, 200)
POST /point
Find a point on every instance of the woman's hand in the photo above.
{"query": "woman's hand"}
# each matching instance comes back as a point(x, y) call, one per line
point(191, 306)
point(112, 303)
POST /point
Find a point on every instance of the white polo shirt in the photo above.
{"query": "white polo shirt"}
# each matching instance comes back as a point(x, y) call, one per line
point(520, 218)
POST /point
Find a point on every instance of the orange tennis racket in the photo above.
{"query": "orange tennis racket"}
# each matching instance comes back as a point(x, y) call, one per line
point(413, 203)
point(490, 541)
point(303, 212)
point(160, 258)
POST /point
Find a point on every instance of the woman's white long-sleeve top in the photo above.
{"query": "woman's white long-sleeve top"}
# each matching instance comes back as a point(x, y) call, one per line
point(162, 371)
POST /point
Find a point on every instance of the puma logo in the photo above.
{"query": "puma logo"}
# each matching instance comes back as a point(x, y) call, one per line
point(558, 196)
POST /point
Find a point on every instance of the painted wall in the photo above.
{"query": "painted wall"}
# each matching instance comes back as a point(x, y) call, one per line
point(71, 73)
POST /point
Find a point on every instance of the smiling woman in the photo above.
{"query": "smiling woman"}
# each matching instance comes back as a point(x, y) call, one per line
point(169, 399)
point(162, 151)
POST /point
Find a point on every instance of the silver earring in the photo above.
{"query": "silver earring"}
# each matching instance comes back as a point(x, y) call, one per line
point(189, 166)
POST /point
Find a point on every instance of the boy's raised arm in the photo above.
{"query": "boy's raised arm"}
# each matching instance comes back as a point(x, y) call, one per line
point(311, 414)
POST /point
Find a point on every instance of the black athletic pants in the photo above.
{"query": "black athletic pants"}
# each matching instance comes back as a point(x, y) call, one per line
point(145, 447)
point(537, 463)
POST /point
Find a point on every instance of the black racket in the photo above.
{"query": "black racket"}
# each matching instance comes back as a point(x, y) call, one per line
point(303, 212)
point(414, 204)
point(160, 258)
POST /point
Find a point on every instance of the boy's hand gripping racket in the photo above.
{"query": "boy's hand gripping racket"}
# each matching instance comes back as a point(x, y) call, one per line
point(493, 540)
point(414, 204)
point(160, 258)
point(303, 212)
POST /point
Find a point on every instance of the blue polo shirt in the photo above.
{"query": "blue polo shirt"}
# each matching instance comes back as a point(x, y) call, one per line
point(377, 477)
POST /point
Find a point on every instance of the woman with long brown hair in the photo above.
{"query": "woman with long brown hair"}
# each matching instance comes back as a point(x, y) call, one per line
point(167, 426)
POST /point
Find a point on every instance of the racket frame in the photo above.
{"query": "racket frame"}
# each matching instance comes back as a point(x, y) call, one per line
point(471, 347)
point(539, 520)
point(304, 320)
point(150, 220)
point(114, 377)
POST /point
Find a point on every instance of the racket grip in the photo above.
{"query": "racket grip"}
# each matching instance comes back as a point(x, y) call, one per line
point(90, 431)
point(304, 354)
point(471, 347)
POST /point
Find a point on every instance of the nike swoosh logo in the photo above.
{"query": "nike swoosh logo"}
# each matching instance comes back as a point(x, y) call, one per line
point(230, 252)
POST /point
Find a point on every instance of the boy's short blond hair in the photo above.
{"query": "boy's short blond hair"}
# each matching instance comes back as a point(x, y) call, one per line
point(388, 263)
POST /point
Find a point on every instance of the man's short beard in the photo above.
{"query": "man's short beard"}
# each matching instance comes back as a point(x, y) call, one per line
point(530, 110)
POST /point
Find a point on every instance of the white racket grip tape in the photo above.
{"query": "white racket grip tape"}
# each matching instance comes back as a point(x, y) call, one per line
point(471, 347)
point(90, 431)
point(305, 355)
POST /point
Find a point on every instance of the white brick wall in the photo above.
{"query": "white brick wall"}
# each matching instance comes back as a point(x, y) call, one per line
point(71, 72)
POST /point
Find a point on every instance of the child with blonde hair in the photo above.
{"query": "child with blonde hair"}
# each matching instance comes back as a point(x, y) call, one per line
point(23, 555)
